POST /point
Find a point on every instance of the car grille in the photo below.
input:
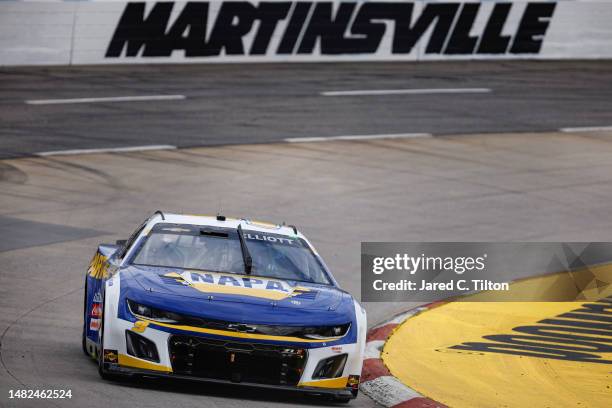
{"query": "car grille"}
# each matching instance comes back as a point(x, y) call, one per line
point(236, 361)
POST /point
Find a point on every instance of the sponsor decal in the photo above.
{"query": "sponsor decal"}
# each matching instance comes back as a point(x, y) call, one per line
point(97, 297)
point(285, 28)
point(580, 335)
point(96, 310)
point(276, 239)
point(94, 324)
point(111, 356)
point(98, 268)
point(140, 326)
point(212, 282)
point(175, 229)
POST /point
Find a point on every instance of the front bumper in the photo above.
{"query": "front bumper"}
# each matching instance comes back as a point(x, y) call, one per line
point(315, 391)
point(259, 374)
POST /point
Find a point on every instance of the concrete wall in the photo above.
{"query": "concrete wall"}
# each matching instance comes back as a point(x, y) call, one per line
point(107, 32)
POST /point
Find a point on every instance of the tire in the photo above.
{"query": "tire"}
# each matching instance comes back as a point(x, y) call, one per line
point(342, 400)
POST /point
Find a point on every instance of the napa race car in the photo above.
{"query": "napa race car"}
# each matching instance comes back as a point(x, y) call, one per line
point(222, 300)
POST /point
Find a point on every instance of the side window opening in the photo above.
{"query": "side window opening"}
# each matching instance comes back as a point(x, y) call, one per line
point(130, 241)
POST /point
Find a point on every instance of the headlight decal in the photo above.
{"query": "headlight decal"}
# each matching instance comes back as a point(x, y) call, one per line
point(319, 333)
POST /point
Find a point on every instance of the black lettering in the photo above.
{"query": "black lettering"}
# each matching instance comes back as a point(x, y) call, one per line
point(577, 323)
point(532, 28)
point(595, 308)
point(492, 42)
point(589, 315)
point(460, 41)
point(605, 300)
point(530, 351)
point(234, 21)
point(551, 342)
point(572, 333)
point(294, 28)
point(136, 32)
point(193, 22)
point(373, 32)
point(328, 29)
point(442, 13)
point(269, 15)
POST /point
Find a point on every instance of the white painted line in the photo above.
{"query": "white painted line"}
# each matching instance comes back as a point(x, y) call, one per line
point(365, 92)
point(107, 99)
point(356, 137)
point(586, 129)
point(388, 391)
point(373, 349)
point(105, 150)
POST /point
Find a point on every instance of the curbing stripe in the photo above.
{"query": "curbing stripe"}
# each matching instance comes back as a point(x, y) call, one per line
point(388, 391)
point(419, 402)
point(380, 333)
point(376, 380)
point(373, 349)
point(372, 369)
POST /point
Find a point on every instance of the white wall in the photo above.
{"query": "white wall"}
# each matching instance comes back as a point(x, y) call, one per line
point(80, 32)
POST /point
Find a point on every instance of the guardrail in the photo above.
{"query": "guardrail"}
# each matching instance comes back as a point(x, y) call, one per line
point(117, 31)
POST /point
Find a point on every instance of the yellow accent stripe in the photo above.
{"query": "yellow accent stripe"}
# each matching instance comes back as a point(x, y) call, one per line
point(327, 383)
point(133, 362)
point(239, 334)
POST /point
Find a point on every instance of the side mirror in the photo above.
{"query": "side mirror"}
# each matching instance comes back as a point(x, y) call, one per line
point(109, 250)
point(121, 242)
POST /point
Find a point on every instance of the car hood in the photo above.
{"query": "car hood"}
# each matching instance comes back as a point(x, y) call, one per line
point(222, 288)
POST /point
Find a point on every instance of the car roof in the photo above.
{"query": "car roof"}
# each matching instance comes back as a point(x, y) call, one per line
point(229, 222)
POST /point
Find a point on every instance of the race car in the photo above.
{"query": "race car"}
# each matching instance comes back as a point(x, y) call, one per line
point(222, 300)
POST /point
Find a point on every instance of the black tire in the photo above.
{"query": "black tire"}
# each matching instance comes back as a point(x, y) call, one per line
point(342, 400)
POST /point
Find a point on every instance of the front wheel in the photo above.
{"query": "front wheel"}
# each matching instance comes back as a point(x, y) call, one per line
point(342, 400)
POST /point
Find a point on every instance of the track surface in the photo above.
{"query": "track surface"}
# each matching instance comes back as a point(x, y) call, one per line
point(480, 187)
point(54, 211)
point(227, 104)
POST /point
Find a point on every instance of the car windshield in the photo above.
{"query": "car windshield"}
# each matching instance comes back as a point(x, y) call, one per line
point(219, 250)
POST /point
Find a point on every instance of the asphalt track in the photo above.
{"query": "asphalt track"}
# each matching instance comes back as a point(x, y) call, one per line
point(546, 186)
point(542, 186)
point(227, 104)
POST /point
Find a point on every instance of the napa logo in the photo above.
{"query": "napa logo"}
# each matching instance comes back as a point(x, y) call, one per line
point(211, 282)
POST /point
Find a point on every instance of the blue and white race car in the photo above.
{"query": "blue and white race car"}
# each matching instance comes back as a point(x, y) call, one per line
point(222, 300)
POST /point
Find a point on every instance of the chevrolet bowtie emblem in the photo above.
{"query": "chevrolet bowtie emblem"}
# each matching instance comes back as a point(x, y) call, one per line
point(239, 327)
